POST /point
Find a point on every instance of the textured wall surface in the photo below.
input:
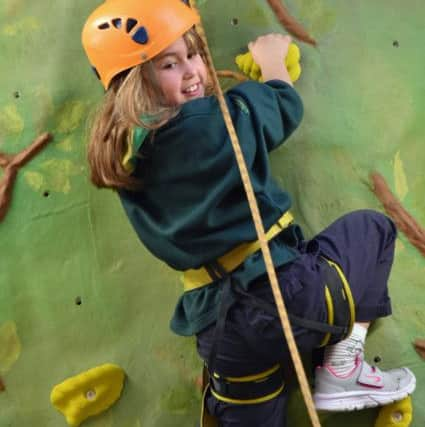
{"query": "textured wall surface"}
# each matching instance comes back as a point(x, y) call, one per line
point(76, 287)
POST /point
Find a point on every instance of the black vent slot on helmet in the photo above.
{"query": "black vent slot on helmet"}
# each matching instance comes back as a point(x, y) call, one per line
point(117, 23)
point(103, 26)
point(131, 23)
point(140, 36)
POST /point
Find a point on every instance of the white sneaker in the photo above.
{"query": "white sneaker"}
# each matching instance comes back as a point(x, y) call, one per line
point(364, 387)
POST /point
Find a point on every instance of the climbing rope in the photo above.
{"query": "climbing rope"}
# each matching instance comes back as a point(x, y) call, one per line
point(283, 315)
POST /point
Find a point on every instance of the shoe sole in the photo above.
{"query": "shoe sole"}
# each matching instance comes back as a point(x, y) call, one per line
point(356, 400)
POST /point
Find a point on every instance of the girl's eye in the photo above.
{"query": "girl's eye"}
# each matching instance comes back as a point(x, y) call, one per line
point(191, 55)
point(169, 65)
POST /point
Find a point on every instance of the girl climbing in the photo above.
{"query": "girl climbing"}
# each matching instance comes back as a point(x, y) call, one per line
point(160, 141)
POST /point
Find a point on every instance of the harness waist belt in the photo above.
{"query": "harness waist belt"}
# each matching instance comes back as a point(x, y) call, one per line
point(196, 278)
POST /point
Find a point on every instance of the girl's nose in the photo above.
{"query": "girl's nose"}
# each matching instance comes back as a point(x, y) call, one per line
point(189, 69)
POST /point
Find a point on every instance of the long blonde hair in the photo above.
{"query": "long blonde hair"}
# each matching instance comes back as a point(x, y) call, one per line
point(132, 95)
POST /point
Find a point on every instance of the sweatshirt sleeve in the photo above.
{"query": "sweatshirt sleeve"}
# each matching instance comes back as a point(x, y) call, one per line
point(275, 109)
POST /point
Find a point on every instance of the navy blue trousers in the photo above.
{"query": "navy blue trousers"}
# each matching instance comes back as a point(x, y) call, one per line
point(362, 243)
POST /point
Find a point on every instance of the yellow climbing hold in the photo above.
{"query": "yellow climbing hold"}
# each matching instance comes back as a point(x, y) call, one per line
point(88, 393)
point(401, 186)
point(246, 64)
point(10, 346)
point(397, 414)
point(11, 121)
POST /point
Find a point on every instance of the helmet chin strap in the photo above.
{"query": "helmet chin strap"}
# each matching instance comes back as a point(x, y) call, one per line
point(283, 315)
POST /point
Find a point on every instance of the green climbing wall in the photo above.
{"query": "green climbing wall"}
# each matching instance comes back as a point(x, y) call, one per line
point(78, 290)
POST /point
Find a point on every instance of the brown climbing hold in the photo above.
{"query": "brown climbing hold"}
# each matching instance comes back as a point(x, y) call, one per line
point(290, 24)
point(393, 207)
point(11, 163)
point(419, 345)
point(2, 386)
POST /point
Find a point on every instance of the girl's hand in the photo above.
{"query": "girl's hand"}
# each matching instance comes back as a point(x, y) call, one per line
point(268, 52)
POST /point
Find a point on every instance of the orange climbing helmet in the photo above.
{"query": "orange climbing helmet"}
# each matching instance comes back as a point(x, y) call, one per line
point(120, 34)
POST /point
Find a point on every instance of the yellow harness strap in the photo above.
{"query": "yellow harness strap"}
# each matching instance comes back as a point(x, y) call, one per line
point(256, 378)
point(196, 278)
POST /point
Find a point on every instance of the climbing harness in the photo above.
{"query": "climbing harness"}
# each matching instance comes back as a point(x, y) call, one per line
point(338, 297)
point(267, 385)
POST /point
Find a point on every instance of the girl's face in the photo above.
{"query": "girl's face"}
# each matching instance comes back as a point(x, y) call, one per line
point(181, 73)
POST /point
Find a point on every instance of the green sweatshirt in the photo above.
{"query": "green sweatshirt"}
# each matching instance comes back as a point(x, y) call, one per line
point(193, 207)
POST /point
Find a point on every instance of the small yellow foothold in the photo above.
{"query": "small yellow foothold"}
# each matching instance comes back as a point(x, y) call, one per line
point(88, 393)
point(246, 64)
point(397, 414)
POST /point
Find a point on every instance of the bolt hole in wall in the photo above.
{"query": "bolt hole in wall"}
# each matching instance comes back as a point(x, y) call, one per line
point(234, 21)
point(377, 359)
point(78, 301)
point(16, 94)
point(396, 43)
point(46, 193)
point(91, 395)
